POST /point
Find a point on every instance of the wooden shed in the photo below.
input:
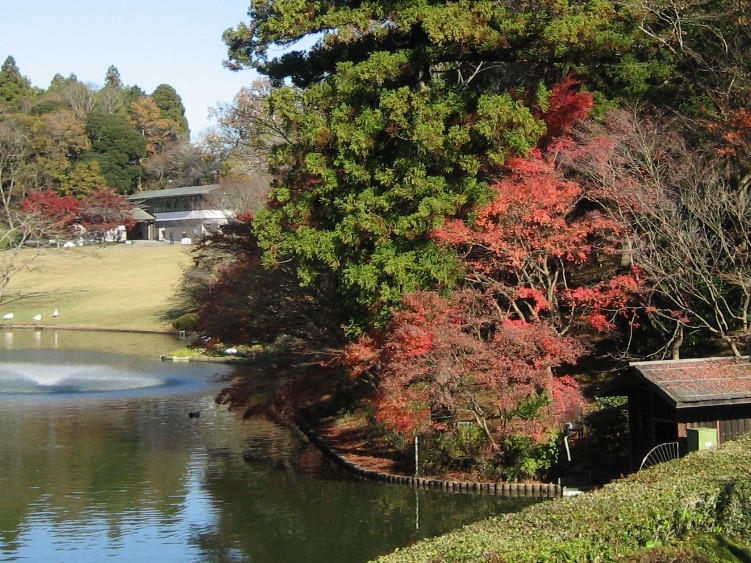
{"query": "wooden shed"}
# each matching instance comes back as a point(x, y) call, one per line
point(667, 398)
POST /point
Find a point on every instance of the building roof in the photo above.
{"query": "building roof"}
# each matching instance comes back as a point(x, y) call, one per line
point(140, 215)
point(173, 192)
point(700, 382)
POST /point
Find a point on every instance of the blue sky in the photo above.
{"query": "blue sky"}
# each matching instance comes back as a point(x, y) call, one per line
point(151, 42)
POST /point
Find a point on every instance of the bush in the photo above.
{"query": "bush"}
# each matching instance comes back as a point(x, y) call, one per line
point(697, 548)
point(705, 492)
point(734, 508)
point(465, 449)
point(525, 459)
point(185, 322)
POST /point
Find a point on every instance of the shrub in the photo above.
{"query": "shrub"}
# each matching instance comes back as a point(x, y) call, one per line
point(465, 449)
point(734, 508)
point(185, 322)
point(523, 458)
point(704, 492)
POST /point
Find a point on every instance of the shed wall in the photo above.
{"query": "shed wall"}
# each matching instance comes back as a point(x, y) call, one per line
point(731, 421)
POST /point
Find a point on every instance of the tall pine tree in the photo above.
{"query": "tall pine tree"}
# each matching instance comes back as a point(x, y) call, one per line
point(396, 118)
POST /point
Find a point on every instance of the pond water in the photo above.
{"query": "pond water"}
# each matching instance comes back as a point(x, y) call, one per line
point(99, 459)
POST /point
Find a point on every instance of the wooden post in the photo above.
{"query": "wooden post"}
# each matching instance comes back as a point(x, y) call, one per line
point(417, 455)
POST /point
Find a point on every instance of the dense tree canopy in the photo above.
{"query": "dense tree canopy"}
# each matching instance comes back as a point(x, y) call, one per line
point(75, 127)
point(397, 115)
point(78, 142)
point(452, 170)
point(172, 109)
point(117, 148)
point(400, 114)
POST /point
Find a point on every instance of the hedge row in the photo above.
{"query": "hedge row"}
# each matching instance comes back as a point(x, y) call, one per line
point(708, 491)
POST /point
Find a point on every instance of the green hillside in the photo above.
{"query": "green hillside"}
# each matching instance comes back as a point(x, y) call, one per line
point(115, 287)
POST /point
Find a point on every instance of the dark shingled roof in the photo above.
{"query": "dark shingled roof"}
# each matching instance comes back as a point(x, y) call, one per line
point(700, 382)
point(140, 215)
point(173, 192)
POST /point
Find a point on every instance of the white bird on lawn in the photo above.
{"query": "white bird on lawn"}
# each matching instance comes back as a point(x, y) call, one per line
point(8, 316)
point(55, 313)
point(36, 318)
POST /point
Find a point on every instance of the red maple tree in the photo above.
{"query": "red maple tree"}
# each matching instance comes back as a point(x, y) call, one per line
point(566, 107)
point(444, 360)
point(534, 243)
point(103, 210)
point(50, 214)
point(490, 352)
point(56, 215)
point(242, 299)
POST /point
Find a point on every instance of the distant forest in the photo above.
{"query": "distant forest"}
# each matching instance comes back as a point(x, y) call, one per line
point(74, 136)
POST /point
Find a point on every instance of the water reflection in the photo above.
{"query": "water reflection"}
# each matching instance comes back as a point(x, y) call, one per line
point(128, 475)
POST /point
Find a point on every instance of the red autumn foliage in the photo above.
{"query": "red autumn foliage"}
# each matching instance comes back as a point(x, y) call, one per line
point(528, 244)
point(735, 133)
point(53, 212)
point(567, 106)
point(489, 352)
point(242, 300)
point(687, 222)
point(567, 400)
point(97, 213)
point(105, 209)
point(447, 359)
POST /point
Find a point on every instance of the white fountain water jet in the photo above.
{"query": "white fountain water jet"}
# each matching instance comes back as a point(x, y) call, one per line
point(79, 378)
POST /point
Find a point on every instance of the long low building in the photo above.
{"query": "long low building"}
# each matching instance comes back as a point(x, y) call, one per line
point(175, 214)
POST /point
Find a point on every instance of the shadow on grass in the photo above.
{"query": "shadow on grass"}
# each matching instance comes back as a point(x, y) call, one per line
point(20, 297)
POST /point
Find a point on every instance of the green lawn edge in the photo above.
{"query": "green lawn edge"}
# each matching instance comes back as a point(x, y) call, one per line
point(704, 492)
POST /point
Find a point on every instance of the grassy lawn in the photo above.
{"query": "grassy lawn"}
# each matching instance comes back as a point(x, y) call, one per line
point(116, 287)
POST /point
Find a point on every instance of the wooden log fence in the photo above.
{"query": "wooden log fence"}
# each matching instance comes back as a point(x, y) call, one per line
point(536, 490)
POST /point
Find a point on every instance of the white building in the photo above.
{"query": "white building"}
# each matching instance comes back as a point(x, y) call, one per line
point(174, 214)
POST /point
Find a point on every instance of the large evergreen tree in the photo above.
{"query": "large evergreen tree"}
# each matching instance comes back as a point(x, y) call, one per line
point(171, 106)
point(118, 148)
point(398, 115)
point(407, 124)
point(16, 90)
point(112, 78)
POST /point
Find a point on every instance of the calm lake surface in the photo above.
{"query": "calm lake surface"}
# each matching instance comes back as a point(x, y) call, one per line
point(99, 460)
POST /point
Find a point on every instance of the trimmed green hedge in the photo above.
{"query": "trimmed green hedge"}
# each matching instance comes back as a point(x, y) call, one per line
point(708, 491)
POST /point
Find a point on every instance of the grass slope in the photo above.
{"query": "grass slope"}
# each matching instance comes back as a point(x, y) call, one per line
point(130, 287)
point(705, 496)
